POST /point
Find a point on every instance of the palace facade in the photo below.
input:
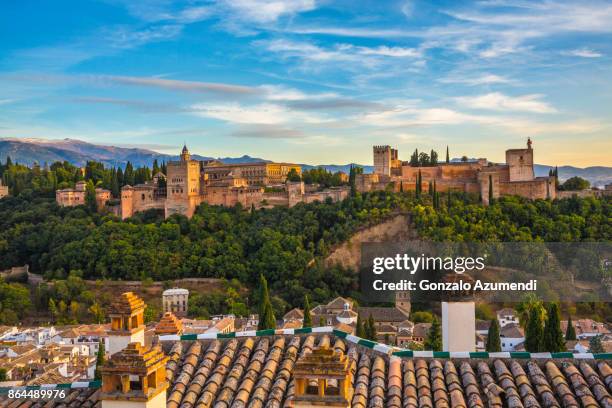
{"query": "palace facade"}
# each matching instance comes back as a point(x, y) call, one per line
point(515, 177)
point(191, 182)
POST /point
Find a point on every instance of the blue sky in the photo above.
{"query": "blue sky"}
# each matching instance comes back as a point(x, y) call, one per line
point(312, 81)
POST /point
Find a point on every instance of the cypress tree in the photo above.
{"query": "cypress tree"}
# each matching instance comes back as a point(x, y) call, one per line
point(307, 317)
point(490, 189)
point(155, 167)
point(100, 360)
point(447, 155)
point(448, 199)
point(120, 177)
point(430, 189)
point(352, 177)
point(128, 174)
point(553, 336)
point(359, 328)
point(493, 340)
point(370, 329)
point(266, 314)
point(90, 197)
point(115, 189)
point(570, 332)
point(434, 337)
point(534, 332)
point(436, 196)
point(418, 184)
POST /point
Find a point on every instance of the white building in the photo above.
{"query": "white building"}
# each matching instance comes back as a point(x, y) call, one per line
point(176, 300)
point(507, 316)
point(511, 336)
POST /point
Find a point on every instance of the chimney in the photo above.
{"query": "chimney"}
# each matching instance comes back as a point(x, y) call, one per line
point(127, 322)
point(458, 317)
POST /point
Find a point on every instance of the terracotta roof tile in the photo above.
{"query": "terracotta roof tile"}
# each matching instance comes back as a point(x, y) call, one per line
point(258, 372)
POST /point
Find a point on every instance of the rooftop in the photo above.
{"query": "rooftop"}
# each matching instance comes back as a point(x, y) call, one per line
point(240, 370)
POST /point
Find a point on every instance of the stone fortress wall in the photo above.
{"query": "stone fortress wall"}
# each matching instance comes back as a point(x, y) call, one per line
point(515, 177)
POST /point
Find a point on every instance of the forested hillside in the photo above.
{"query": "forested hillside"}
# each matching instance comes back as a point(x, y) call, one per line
point(286, 245)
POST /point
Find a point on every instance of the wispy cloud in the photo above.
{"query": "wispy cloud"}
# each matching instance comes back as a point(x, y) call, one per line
point(483, 79)
point(266, 131)
point(583, 53)
point(189, 86)
point(499, 102)
point(261, 114)
point(336, 56)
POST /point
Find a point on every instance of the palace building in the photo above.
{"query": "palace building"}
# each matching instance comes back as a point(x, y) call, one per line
point(190, 183)
point(70, 197)
point(515, 177)
point(4, 191)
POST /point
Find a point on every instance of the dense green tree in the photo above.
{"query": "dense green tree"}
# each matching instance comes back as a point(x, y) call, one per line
point(596, 345)
point(575, 183)
point(115, 187)
point(493, 339)
point(90, 197)
point(360, 328)
point(266, 314)
point(307, 316)
point(422, 317)
point(370, 329)
point(433, 158)
point(433, 341)
point(553, 336)
point(414, 159)
point(570, 332)
point(447, 155)
point(156, 168)
point(128, 175)
point(534, 333)
point(293, 175)
point(14, 302)
point(100, 360)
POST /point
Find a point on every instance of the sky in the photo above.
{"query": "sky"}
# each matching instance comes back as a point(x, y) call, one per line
point(313, 81)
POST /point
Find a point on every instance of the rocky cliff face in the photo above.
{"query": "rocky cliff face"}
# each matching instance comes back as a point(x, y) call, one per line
point(395, 229)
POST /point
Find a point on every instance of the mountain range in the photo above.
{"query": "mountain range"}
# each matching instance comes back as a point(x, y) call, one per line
point(78, 152)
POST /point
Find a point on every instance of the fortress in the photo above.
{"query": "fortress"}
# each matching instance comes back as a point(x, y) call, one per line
point(192, 182)
point(189, 183)
point(515, 177)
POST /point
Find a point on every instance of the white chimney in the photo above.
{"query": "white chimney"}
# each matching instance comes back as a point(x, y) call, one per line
point(458, 326)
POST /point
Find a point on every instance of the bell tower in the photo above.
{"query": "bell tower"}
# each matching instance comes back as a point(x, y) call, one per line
point(402, 302)
point(127, 322)
point(322, 378)
point(135, 378)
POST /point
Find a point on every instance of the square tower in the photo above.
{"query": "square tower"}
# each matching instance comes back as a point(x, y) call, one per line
point(520, 162)
point(183, 185)
point(127, 322)
point(382, 159)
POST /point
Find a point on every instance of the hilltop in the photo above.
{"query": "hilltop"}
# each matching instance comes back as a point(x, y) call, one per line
point(78, 152)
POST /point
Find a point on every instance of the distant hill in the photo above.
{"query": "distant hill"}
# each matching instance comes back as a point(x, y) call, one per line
point(78, 152)
point(30, 151)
